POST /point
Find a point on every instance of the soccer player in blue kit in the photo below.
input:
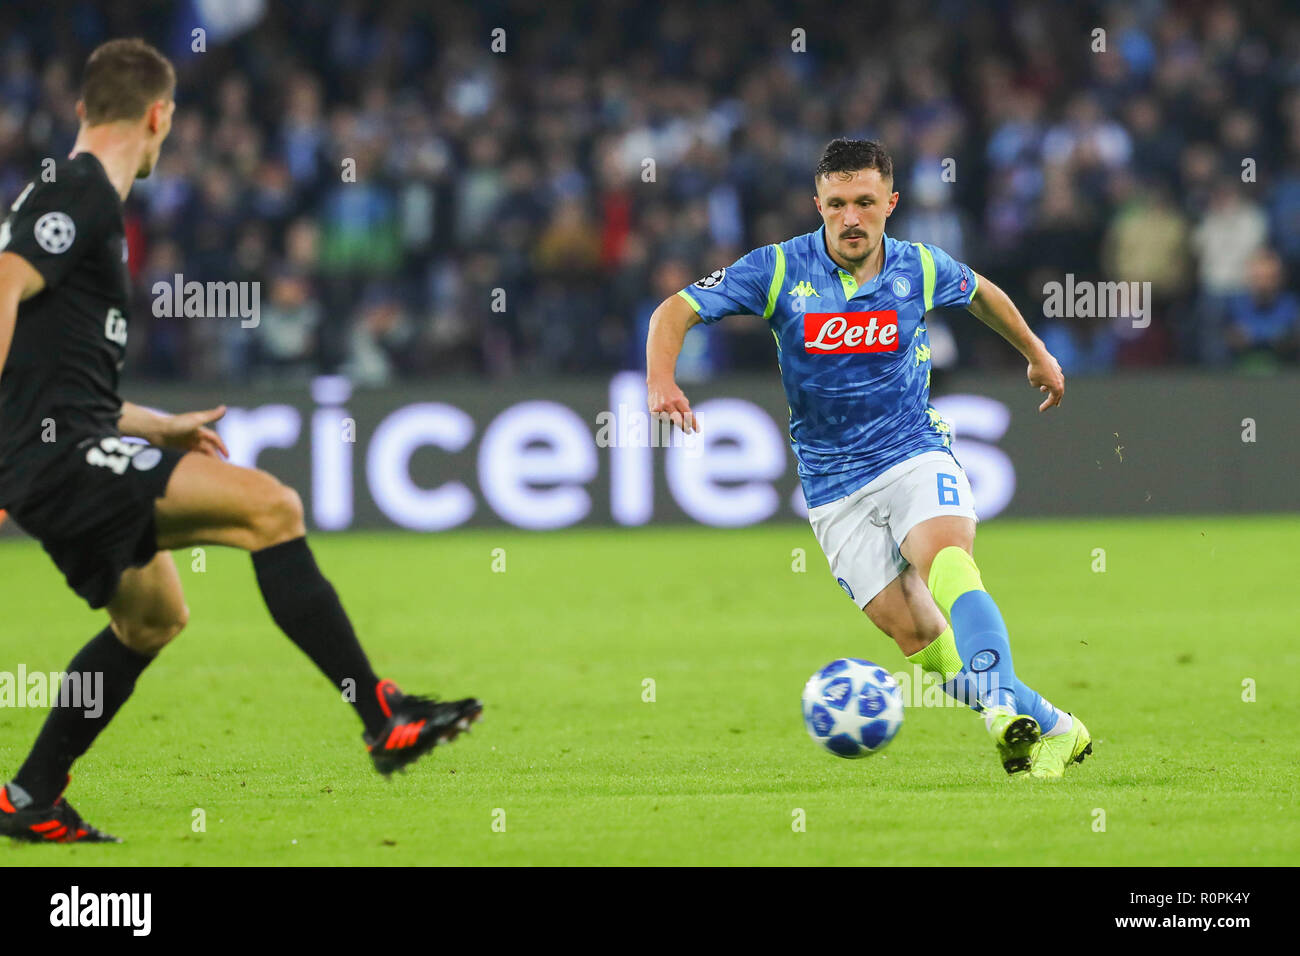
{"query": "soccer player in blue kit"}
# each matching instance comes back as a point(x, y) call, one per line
point(889, 504)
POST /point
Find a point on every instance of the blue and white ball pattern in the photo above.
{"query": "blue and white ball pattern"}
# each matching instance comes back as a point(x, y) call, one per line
point(852, 707)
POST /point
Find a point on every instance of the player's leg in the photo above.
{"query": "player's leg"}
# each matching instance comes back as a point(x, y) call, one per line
point(869, 568)
point(934, 519)
point(855, 534)
point(906, 612)
point(940, 548)
point(145, 613)
point(943, 549)
point(209, 501)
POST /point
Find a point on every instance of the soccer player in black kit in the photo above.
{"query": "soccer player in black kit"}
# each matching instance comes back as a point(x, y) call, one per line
point(109, 511)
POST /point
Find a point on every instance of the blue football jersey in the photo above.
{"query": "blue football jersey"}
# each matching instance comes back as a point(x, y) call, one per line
point(855, 360)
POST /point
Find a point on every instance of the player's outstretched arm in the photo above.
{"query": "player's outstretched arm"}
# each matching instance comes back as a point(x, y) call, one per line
point(18, 283)
point(188, 432)
point(995, 309)
point(668, 327)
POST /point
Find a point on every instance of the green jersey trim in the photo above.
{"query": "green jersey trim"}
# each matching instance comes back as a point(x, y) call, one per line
point(927, 273)
point(778, 280)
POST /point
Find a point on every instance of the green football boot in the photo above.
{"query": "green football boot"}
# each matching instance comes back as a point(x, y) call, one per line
point(1015, 736)
point(1053, 754)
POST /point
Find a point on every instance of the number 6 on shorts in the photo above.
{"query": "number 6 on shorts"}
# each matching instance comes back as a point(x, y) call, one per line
point(948, 490)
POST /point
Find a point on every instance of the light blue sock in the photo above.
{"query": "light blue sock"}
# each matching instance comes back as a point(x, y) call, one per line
point(987, 677)
point(985, 648)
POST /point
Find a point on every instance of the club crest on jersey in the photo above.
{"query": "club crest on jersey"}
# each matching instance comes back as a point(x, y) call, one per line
point(838, 332)
point(712, 279)
point(55, 232)
point(902, 287)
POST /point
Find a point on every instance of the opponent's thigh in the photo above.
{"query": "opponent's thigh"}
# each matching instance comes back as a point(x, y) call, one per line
point(209, 501)
point(148, 608)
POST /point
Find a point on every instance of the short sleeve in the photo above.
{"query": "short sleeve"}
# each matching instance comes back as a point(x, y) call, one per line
point(954, 282)
point(51, 225)
point(742, 288)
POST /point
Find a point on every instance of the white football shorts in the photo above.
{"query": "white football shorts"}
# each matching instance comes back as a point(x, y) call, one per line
point(861, 533)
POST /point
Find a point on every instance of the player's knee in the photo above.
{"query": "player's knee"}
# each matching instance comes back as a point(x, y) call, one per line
point(279, 517)
point(151, 634)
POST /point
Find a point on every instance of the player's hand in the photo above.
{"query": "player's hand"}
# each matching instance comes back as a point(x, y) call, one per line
point(1045, 372)
point(667, 402)
point(189, 432)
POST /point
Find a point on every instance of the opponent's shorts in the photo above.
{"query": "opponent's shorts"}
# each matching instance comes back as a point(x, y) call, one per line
point(862, 532)
point(94, 511)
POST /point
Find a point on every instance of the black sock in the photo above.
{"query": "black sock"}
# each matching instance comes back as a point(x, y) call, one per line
point(107, 669)
point(306, 607)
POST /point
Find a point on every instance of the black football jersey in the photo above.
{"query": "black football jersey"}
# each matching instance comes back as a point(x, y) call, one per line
point(60, 379)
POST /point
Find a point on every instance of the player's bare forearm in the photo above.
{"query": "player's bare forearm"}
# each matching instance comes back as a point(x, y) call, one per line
point(187, 431)
point(140, 422)
point(668, 327)
point(995, 309)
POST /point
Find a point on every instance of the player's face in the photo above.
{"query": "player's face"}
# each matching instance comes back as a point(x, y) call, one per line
point(854, 210)
point(163, 121)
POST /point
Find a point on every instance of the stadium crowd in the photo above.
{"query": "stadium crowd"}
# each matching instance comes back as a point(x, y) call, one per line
point(413, 202)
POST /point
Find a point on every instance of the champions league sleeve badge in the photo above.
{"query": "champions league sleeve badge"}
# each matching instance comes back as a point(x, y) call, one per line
point(712, 279)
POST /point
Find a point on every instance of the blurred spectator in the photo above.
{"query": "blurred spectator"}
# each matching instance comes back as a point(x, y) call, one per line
point(1233, 230)
point(1263, 323)
point(287, 331)
point(380, 340)
point(1147, 242)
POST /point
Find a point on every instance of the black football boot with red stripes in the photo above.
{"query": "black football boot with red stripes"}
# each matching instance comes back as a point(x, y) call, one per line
point(57, 823)
point(415, 726)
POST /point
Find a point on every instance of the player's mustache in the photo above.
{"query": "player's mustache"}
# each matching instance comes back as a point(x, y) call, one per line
point(852, 233)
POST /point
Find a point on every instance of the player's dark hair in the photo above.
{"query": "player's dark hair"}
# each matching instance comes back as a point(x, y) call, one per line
point(122, 79)
point(847, 156)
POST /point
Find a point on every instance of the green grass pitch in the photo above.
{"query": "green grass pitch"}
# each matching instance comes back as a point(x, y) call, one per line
point(232, 720)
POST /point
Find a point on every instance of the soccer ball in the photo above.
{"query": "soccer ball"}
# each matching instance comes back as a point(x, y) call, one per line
point(852, 707)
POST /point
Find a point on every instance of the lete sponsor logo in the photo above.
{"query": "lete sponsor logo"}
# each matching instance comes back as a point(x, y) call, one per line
point(832, 332)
